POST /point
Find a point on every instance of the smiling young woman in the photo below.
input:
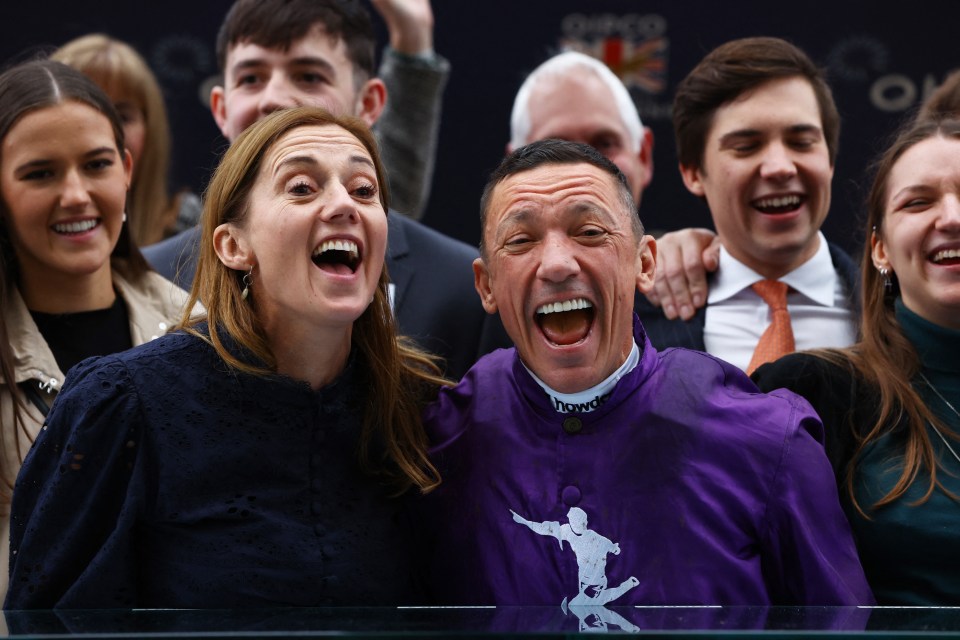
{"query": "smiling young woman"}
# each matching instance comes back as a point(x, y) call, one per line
point(74, 283)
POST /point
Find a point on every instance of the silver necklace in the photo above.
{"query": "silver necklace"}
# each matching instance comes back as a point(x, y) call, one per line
point(952, 408)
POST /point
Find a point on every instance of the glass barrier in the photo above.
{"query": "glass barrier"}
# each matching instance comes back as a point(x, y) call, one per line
point(543, 622)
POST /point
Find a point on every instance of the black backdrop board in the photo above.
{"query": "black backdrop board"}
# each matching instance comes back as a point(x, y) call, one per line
point(882, 58)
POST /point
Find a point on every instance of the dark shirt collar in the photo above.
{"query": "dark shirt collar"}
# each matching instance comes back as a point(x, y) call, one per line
point(938, 347)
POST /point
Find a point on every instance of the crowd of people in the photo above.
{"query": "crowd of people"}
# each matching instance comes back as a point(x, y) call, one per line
point(300, 395)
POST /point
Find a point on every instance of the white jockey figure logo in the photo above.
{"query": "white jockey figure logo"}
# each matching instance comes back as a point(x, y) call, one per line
point(591, 550)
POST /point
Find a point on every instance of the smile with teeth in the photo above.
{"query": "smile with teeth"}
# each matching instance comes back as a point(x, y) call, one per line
point(950, 256)
point(338, 256)
point(565, 323)
point(69, 228)
point(778, 204)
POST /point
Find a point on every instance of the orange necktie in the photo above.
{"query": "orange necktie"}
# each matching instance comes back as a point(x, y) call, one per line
point(777, 340)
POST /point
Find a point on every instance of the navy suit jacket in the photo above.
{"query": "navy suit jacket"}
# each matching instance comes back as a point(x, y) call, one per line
point(434, 300)
point(688, 334)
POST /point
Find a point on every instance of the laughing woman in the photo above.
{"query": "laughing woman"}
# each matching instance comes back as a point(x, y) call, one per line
point(73, 284)
point(890, 403)
point(258, 457)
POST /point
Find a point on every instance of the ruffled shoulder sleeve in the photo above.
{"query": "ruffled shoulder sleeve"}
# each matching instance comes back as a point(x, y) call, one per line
point(79, 495)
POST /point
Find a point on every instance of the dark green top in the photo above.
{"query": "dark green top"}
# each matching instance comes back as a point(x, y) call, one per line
point(913, 550)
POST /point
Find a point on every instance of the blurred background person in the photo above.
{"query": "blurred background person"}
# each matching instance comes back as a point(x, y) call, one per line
point(575, 97)
point(415, 77)
point(154, 214)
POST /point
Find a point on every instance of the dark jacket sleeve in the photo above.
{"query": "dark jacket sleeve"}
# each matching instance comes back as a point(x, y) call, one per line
point(77, 497)
point(834, 393)
point(664, 333)
point(409, 127)
point(175, 258)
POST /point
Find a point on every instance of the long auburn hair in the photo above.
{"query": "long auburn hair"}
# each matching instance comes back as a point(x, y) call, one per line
point(113, 64)
point(402, 376)
point(884, 357)
point(27, 87)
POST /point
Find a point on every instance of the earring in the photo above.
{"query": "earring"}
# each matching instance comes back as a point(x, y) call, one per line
point(247, 281)
point(887, 281)
point(124, 217)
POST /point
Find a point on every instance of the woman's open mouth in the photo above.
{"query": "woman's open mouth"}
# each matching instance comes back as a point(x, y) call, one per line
point(337, 256)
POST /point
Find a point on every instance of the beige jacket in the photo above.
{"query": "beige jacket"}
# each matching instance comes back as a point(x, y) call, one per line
point(154, 304)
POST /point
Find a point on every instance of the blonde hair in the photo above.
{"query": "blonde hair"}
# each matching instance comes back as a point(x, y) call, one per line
point(402, 377)
point(116, 67)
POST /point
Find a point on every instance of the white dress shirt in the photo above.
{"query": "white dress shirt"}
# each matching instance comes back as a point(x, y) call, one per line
point(820, 312)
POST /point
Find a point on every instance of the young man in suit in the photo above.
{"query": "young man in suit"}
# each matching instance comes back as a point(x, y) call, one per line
point(757, 132)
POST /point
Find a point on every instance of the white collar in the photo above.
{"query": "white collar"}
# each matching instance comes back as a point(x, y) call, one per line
point(816, 278)
point(594, 397)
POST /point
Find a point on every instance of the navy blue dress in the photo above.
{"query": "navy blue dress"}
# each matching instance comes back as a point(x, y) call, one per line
point(165, 479)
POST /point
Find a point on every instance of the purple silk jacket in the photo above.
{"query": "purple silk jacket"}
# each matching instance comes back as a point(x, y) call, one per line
point(687, 486)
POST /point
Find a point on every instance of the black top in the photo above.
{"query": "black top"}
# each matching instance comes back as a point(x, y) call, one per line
point(73, 337)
